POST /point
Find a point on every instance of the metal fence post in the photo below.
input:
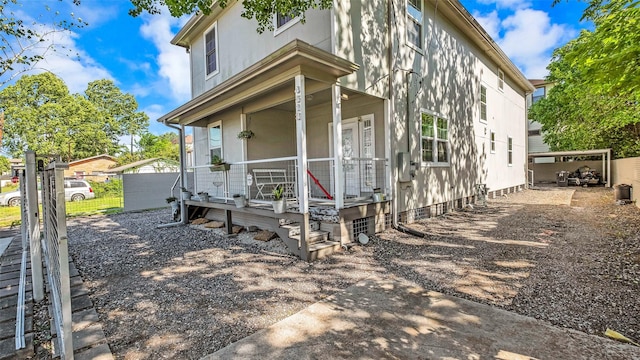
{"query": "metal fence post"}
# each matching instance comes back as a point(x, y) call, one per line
point(63, 260)
point(34, 226)
point(56, 254)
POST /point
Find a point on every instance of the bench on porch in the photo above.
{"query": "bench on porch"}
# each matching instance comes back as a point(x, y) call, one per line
point(267, 179)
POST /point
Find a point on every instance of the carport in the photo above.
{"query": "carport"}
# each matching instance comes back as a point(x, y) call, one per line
point(604, 154)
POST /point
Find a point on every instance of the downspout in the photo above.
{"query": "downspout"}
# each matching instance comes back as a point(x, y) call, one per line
point(394, 207)
point(183, 176)
point(394, 204)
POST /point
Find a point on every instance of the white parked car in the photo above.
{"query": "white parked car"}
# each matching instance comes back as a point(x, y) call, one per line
point(74, 190)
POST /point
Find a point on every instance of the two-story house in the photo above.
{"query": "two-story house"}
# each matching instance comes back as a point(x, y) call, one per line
point(368, 115)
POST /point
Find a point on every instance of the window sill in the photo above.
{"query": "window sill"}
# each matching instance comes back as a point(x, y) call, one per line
point(209, 76)
point(286, 26)
point(416, 48)
point(435, 165)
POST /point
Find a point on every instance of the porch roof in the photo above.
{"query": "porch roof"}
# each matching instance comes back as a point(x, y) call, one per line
point(271, 73)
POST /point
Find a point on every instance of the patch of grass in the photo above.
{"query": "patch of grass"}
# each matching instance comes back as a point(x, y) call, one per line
point(103, 205)
point(9, 216)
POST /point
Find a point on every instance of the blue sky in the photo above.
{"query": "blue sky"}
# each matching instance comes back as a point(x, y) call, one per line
point(137, 55)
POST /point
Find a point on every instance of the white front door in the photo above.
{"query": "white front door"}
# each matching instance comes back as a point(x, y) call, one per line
point(351, 152)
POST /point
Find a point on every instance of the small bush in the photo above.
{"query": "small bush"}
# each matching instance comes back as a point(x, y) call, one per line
point(112, 188)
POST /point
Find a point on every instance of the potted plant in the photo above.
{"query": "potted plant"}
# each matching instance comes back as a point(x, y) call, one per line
point(175, 206)
point(171, 199)
point(246, 134)
point(185, 193)
point(278, 201)
point(204, 196)
point(217, 164)
point(239, 200)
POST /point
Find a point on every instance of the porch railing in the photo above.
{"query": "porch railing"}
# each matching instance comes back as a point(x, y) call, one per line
point(256, 179)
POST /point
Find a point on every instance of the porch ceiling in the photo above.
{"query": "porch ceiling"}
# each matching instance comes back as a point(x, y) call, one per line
point(271, 78)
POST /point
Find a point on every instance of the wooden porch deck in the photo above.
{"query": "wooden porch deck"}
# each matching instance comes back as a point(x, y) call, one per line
point(330, 229)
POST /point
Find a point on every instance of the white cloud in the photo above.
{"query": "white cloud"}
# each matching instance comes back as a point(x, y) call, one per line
point(172, 61)
point(71, 63)
point(63, 57)
point(154, 111)
point(507, 4)
point(490, 22)
point(529, 37)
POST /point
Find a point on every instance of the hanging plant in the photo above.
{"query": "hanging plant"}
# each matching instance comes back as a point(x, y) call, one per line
point(245, 134)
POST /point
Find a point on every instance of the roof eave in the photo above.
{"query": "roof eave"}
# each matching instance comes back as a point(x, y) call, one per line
point(288, 52)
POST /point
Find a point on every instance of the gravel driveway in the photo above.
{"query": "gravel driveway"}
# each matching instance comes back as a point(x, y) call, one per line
point(187, 291)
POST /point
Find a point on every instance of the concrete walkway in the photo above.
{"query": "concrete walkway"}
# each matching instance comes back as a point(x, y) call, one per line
point(380, 318)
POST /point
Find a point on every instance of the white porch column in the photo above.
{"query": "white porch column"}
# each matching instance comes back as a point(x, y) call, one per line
point(336, 101)
point(303, 186)
point(301, 132)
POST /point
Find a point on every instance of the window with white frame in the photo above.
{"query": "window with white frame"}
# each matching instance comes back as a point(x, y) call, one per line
point(500, 80)
point(483, 103)
point(510, 151)
point(493, 142)
point(282, 20)
point(435, 139)
point(215, 140)
point(414, 22)
point(211, 49)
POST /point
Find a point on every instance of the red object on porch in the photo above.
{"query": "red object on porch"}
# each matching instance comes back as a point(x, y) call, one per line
point(319, 185)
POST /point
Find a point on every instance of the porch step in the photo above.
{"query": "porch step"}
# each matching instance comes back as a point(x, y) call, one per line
point(322, 249)
point(294, 228)
point(314, 237)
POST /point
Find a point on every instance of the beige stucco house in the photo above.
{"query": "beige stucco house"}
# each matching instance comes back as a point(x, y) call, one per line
point(93, 168)
point(396, 98)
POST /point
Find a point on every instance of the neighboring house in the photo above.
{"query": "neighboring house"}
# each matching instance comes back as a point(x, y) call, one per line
point(93, 168)
point(188, 143)
point(535, 138)
point(410, 99)
point(146, 166)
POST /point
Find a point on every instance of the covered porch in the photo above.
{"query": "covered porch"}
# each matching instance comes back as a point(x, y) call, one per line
point(285, 122)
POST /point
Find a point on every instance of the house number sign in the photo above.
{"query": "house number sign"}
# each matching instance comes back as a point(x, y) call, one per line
point(298, 103)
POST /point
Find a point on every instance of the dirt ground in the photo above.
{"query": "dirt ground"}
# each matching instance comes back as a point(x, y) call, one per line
point(572, 259)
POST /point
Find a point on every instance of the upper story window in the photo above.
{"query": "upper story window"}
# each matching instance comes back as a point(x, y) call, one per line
point(435, 139)
point(215, 140)
point(493, 142)
point(538, 94)
point(510, 151)
point(211, 49)
point(283, 22)
point(414, 22)
point(483, 103)
point(500, 80)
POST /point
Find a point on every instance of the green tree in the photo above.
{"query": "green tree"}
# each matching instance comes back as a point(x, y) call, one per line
point(5, 165)
point(165, 146)
point(21, 38)
point(260, 10)
point(595, 102)
point(117, 110)
point(43, 116)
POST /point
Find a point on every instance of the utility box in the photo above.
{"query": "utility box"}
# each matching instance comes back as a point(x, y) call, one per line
point(404, 167)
